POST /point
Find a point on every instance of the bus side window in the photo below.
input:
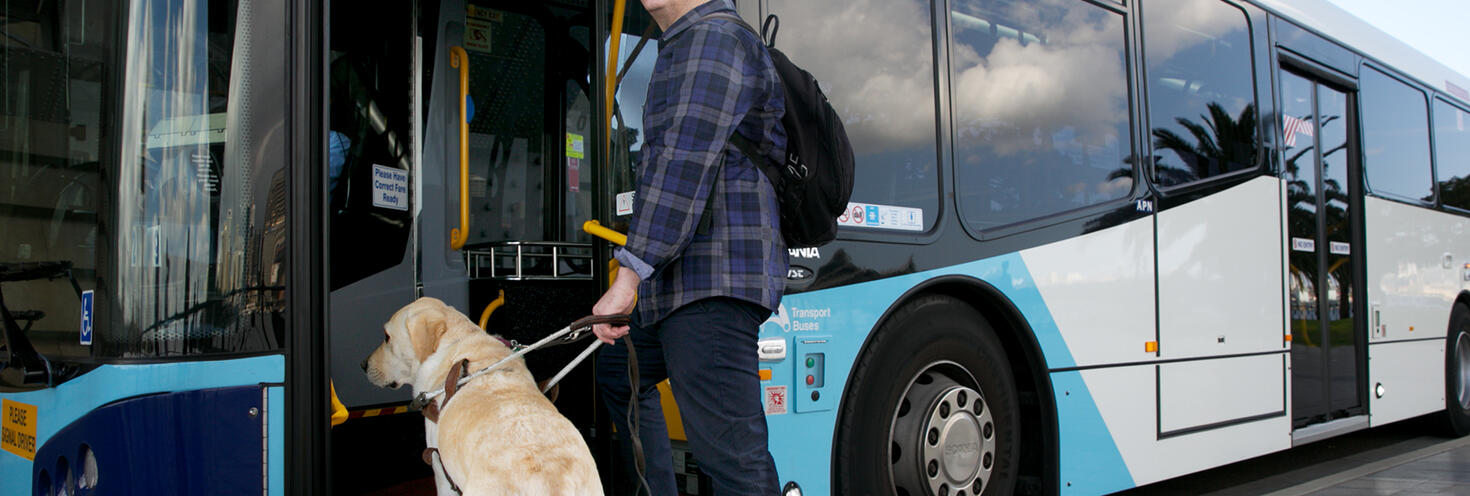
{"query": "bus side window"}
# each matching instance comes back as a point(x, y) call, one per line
point(886, 101)
point(1395, 138)
point(1202, 104)
point(1041, 109)
point(1452, 154)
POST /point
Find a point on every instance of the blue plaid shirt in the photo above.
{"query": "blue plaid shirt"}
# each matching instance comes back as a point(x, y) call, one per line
point(712, 79)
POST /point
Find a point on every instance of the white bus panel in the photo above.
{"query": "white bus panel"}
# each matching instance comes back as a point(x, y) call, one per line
point(1412, 375)
point(1222, 248)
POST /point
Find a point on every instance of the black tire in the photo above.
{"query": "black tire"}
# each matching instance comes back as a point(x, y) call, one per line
point(936, 364)
point(1457, 373)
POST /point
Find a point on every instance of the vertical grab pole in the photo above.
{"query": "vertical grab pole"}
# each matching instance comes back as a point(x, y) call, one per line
point(615, 34)
point(457, 236)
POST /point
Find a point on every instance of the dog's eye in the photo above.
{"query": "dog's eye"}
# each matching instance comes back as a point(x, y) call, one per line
point(387, 337)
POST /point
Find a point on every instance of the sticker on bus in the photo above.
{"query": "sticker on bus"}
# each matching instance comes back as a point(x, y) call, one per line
point(1303, 244)
point(775, 400)
point(882, 217)
point(625, 203)
point(390, 187)
point(474, 12)
point(87, 317)
point(18, 428)
point(576, 146)
point(477, 35)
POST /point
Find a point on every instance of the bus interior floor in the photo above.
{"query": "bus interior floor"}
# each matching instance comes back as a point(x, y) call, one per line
point(380, 455)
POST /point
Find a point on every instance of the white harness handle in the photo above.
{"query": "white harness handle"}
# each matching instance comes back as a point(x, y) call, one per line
point(567, 335)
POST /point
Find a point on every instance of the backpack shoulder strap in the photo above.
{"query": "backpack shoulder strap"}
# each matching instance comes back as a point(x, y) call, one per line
point(747, 147)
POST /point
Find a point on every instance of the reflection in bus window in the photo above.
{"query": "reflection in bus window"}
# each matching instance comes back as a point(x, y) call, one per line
point(627, 122)
point(508, 136)
point(886, 102)
point(58, 63)
point(370, 144)
point(1452, 154)
point(1201, 96)
point(192, 200)
point(1395, 138)
point(1041, 109)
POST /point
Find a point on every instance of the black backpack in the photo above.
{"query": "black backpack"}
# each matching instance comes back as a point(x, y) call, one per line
point(815, 182)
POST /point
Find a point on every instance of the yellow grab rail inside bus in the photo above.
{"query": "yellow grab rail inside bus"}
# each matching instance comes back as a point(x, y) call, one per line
point(489, 309)
point(610, 84)
point(457, 236)
point(595, 228)
point(339, 412)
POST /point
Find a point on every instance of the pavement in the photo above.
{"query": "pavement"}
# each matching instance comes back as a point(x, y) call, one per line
point(1441, 469)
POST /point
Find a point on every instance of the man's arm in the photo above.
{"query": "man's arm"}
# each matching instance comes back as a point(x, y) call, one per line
point(706, 76)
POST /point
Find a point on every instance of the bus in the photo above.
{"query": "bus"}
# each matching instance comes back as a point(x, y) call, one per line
point(1092, 244)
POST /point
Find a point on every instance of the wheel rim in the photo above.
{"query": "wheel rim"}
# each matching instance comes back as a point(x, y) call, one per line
point(1462, 357)
point(942, 439)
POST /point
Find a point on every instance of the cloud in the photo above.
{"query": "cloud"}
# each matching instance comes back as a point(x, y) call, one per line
point(1176, 26)
point(874, 60)
point(1068, 74)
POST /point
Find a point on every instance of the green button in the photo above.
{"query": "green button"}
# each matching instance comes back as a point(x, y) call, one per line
point(811, 362)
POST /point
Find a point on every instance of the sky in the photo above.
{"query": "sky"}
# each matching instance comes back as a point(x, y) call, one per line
point(1435, 27)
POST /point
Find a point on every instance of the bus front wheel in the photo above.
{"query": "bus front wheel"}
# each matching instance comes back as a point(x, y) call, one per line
point(1457, 373)
point(932, 409)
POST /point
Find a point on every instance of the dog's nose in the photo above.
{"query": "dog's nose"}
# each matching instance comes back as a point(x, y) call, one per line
point(364, 365)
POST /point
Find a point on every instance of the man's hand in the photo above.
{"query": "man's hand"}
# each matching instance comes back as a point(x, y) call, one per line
point(618, 299)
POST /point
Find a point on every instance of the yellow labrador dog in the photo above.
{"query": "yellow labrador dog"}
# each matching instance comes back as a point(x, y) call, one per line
point(497, 435)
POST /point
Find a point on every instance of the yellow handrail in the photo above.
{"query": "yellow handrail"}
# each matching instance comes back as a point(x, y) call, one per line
point(339, 412)
point(457, 236)
point(489, 309)
point(610, 84)
point(595, 228)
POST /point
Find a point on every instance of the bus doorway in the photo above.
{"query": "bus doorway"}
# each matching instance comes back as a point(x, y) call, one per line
point(503, 95)
point(1326, 293)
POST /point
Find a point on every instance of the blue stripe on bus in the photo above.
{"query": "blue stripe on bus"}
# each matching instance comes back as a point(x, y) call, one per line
point(1090, 460)
point(276, 436)
point(802, 442)
point(57, 407)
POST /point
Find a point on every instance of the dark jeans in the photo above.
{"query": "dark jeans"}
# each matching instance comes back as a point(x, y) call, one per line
point(707, 349)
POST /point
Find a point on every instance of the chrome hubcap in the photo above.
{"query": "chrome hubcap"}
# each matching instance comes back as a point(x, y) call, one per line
point(943, 437)
point(965, 445)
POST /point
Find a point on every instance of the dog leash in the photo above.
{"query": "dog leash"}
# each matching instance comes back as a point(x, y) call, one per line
point(572, 333)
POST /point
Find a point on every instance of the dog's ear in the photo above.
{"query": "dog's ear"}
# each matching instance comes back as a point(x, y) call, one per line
point(427, 329)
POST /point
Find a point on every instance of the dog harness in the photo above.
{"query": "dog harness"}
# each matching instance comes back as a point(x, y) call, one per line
point(431, 412)
point(459, 375)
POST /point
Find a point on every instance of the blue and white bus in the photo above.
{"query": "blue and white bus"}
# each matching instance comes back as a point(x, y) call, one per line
point(1093, 244)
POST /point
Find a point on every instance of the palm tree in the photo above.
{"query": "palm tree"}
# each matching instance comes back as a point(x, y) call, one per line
point(1221, 144)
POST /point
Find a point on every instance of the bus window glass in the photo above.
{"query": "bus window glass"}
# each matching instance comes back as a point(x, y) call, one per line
point(1202, 105)
point(508, 131)
point(1041, 109)
point(200, 193)
point(1452, 154)
point(886, 100)
point(627, 121)
point(57, 64)
point(1395, 138)
point(369, 143)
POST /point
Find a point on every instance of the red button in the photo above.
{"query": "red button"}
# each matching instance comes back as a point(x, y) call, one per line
point(810, 380)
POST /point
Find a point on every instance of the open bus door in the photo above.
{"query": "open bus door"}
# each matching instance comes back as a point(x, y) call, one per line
point(461, 138)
